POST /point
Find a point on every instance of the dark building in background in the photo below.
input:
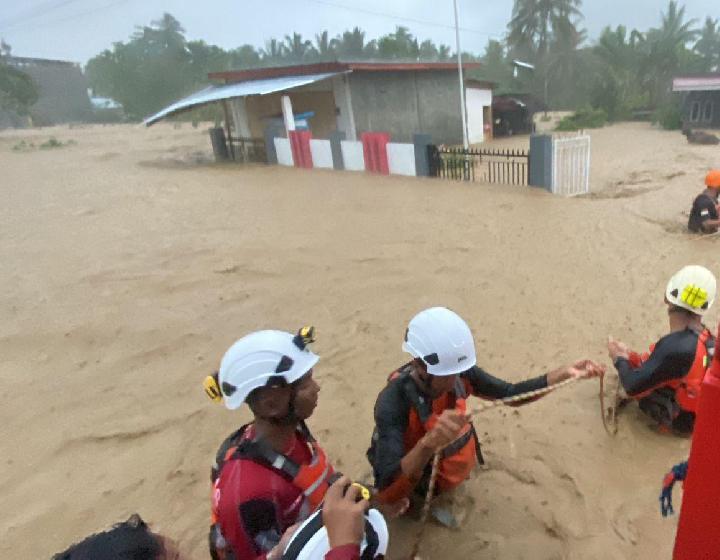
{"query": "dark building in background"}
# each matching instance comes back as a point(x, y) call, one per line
point(62, 90)
point(700, 100)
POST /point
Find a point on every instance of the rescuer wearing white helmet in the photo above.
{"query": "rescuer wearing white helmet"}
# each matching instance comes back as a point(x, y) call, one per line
point(270, 474)
point(422, 409)
point(666, 380)
point(344, 530)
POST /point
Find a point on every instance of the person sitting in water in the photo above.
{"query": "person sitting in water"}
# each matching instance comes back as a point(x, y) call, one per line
point(422, 410)
point(666, 381)
point(131, 539)
point(704, 214)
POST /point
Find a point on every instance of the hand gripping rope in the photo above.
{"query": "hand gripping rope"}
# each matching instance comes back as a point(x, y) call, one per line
point(609, 422)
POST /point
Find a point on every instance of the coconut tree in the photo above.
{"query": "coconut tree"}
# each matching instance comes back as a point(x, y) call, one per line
point(708, 45)
point(534, 23)
point(324, 46)
point(350, 44)
point(297, 48)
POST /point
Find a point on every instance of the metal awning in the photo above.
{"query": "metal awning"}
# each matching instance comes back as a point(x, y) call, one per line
point(240, 89)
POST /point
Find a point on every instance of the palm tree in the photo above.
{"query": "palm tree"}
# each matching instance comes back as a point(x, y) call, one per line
point(534, 22)
point(324, 46)
point(400, 44)
point(296, 48)
point(708, 45)
point(350, 44)
point(274, 51)
point(664, 47)
point(444, 52)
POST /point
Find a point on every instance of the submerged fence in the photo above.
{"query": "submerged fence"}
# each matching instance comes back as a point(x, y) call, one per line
point(507, 167)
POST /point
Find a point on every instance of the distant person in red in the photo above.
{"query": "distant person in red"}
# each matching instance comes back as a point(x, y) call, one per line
point(704, 216)
point(271, 474)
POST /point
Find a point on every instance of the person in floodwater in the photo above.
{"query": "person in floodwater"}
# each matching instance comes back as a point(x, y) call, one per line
point(704, 216)
point(666, 381)
point(271, 474)
point(131, 539)
point(422, 410)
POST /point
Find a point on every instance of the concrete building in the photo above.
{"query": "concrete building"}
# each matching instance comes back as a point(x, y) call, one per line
point(700, 100)
point(401, 98)
point(62, 90)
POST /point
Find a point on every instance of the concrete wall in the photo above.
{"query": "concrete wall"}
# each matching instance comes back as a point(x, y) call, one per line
point(322, 156)
point(476, 100)
point(284, 152)
point(401, 159)
point(353, 157)
point(404, 103)
point(62, 90)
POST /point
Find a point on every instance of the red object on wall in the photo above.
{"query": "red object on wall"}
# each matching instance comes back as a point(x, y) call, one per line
point(698, 536)
point(375, 152)
point(300, 146)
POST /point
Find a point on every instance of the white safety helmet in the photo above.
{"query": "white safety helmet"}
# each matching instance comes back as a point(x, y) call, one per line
point(310, 541)
point(692, 288)
point(441, 339)
point(259, 356)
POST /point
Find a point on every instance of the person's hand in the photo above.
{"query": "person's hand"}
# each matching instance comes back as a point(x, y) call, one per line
point(277, 552)
point(617, 349)
point(446, 430)
point(582, 369)
point(343, 515)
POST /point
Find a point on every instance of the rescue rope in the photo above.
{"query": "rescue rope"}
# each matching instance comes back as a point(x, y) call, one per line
point(609, 414)
point(475, 411)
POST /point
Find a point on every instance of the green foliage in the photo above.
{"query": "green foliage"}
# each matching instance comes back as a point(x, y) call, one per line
point(623, 72)
point(582, 119)
point(18, 91)
point(50, 144)
point(668, 116)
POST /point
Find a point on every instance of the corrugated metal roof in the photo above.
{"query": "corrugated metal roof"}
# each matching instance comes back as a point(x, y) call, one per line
point(697, 83)
point(242, 89)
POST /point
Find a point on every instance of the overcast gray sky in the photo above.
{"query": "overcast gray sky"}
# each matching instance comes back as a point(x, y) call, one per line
point(78, 29)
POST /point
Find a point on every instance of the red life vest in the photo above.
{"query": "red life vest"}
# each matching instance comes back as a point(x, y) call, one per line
point(312, 479)
point(687, 388)
point(461, 456)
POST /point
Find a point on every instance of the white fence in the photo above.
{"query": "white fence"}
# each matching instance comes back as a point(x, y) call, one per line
point(571, 165)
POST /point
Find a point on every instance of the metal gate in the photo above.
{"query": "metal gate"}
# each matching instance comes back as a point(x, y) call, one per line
point(508, 167)
point(571, 165)
point(248, 150)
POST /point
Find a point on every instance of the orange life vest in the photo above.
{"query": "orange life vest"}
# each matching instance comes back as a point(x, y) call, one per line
point(687, 389)
point(461, 456)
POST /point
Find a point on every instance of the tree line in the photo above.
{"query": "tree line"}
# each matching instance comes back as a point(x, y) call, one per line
point(158, 64)
point(624, 72)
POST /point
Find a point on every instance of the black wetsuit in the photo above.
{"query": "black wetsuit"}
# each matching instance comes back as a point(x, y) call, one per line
point(392, 413)
point(672, 358)
point(703, 209)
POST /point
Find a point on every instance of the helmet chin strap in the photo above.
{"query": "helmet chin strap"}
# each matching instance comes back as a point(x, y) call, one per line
point(290, 418)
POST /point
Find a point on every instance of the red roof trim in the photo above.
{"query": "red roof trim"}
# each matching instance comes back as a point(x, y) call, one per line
point(326, 67)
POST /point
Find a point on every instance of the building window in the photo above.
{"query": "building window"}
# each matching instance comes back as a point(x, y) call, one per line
point(695, 111)
point(708, 111)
